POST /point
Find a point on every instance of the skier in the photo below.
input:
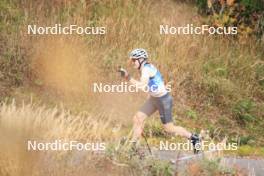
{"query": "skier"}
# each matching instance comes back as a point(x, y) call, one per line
point(159, 98)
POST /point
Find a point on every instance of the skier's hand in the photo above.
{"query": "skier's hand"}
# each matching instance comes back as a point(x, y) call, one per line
point(124, 73)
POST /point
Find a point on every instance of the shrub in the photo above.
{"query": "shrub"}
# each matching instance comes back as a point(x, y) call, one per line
point(154, 128)
point(247, 15)
point(244, 140)
point(192, 114)
point(260, 74)
point(243, 111)
point(210, 167)
point(160, 168)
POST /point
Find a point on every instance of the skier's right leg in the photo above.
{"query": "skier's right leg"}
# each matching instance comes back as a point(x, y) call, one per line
point(145, 111)
point(138, 125)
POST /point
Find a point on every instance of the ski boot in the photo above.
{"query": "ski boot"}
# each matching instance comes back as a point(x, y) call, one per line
point(196, 142)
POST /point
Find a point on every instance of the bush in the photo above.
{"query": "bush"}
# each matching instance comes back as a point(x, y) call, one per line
point(192, 114)
point(260, 74)
point(247, 15)
point(154, 128)
point(160, 168)
point(244, 140)
point(210, 167)
point(243, 111)
point(202, 6)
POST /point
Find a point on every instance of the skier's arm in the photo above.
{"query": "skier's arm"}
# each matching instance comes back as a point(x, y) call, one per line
point(143, 82)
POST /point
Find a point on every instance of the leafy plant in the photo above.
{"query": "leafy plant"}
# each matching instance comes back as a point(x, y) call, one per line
point(244, 140)
point(247, 15)
point(243, 111)
point(210, 167)
point(202, 6)
point(160, 168)
point(260, 74)
point(192, 114)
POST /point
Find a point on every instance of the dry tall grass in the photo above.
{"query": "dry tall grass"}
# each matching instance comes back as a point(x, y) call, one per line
point(20, 124)
point(210, 73)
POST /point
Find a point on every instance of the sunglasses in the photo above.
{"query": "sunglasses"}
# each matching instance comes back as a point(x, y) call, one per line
point(134, 60)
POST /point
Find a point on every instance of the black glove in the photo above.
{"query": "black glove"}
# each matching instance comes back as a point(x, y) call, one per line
point(124, 73)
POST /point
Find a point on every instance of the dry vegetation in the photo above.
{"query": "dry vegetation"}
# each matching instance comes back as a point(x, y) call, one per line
point(217, 80)
point(20, 124)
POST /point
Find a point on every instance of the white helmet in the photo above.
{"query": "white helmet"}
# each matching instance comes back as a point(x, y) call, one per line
point(138, 53)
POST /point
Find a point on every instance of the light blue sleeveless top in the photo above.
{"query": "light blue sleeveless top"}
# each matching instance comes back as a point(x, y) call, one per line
point(156, 82)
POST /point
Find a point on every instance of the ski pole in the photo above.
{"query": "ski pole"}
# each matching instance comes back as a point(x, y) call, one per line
point(147, 143)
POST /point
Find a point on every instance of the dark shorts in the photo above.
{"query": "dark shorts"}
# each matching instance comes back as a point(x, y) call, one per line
point(162, 104)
